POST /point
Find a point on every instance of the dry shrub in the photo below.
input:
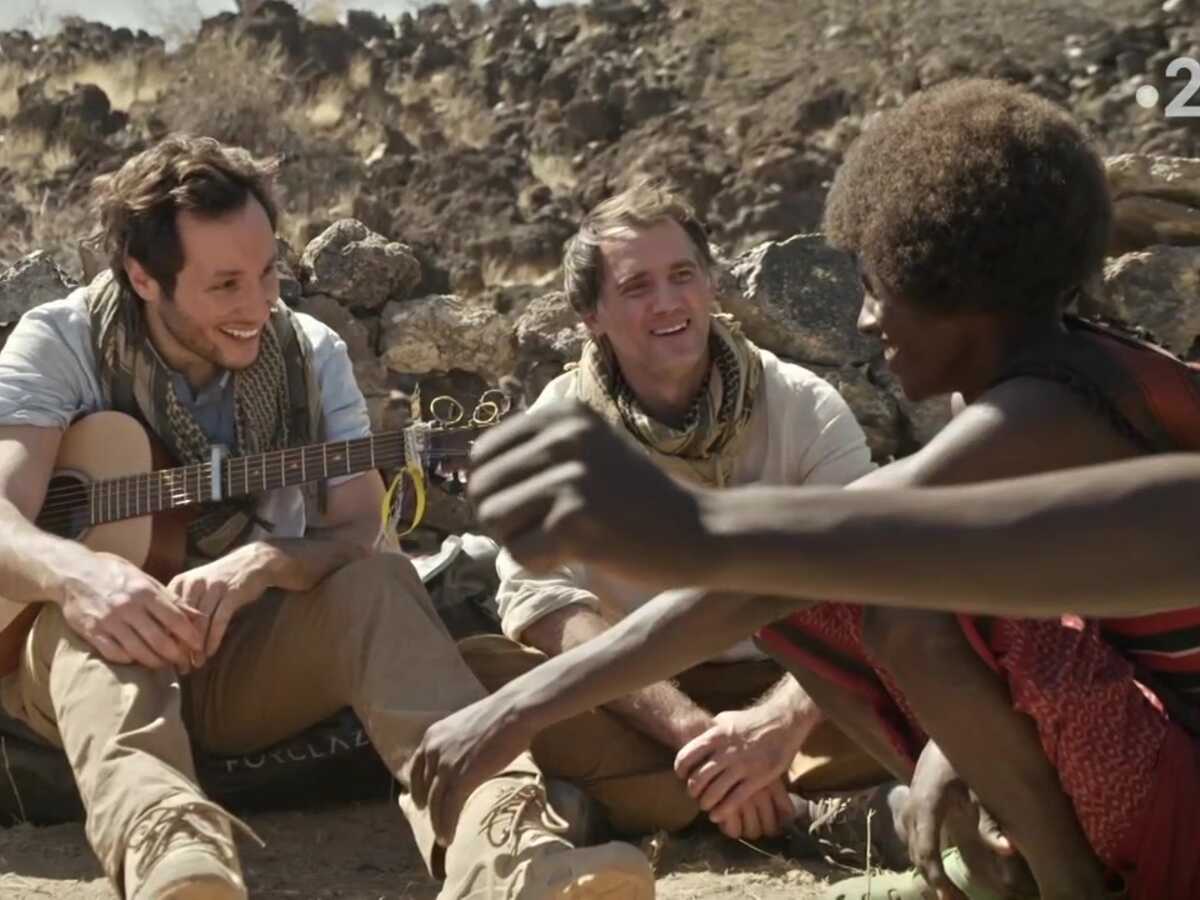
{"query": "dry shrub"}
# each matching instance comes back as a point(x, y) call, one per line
point(31, 153)
point(11, 77)
point(442, 103)
point(125, 80)
point(361, 72)
point(327, 108)
point(235, 90)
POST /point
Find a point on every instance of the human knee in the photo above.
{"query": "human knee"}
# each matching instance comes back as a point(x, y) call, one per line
point(901, 640)
point(378, 578)
point(379, 596)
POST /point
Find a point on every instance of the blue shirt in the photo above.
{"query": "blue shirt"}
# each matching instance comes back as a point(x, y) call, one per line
point(48, 378)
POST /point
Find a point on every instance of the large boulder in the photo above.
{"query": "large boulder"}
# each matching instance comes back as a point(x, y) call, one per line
point(1167, 177)
point(369, 372)
point(1141, 221)
point(800, 299)
point(32, 281)
point(443, 333)
point(874, 408)
point(549, 329)
point(1156, 200)
point(359, 267)
point(919, 420)
point(1158, 289)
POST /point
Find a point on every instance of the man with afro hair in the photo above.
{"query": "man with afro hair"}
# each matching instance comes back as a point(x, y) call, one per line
point(976, 212)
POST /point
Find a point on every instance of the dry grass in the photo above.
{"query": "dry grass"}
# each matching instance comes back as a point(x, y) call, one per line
point(440, 102)
point(328, 107)
point(31, 153)
point(234, 90)
point(11, 77)
point(558, 172)
point(361, 73)
point(126, 80)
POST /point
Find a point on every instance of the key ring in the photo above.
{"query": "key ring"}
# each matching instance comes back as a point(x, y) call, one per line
point(490, 411)
point(452, 417)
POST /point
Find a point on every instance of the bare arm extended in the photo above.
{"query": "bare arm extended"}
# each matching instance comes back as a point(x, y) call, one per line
point(659, 710)
point(1110, 540)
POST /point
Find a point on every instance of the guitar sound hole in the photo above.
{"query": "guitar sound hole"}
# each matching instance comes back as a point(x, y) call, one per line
point(65, 512)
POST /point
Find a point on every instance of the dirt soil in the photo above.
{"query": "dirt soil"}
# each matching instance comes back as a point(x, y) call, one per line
point(365, 852)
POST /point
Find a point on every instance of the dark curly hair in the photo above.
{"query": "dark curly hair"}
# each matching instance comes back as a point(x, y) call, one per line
point(139, 202)
point(973, 195)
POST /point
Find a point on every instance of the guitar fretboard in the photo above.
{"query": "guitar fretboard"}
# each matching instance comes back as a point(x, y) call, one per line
point(168, 489)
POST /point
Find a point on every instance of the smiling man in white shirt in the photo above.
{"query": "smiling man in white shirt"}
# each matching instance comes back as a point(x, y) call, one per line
point(685, 385)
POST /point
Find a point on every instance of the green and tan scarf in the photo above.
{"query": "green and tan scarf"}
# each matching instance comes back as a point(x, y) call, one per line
point(705, 449)
point(276, 400)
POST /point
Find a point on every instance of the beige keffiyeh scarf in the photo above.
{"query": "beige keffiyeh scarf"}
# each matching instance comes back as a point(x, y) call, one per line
point(276, 400)
point(704, 450)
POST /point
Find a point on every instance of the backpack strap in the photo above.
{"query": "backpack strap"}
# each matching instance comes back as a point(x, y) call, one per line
point(307, 413)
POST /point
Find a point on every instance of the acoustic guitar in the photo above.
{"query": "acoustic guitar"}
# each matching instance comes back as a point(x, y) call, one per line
point(115, 489)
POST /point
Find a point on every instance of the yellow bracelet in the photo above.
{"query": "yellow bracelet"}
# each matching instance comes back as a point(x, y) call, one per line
point(413, 470)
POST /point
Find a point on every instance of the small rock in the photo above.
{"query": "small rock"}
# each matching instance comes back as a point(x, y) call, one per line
point(34, 279)
point(589, 119)
point(442, 333)
point(550, 329)
point(358, 266)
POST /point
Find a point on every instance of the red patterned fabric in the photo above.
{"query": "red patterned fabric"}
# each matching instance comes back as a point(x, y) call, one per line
point(1133, 777)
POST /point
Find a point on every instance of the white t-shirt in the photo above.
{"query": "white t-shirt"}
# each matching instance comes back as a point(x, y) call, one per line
point(801, 432)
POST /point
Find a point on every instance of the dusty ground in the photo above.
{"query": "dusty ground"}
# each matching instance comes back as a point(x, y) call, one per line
point(364, 852)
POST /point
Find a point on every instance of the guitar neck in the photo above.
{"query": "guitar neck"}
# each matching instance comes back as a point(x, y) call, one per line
point(162, 490)
point(284, 468)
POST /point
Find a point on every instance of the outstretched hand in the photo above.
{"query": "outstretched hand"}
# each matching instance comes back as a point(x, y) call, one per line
point(558, 484)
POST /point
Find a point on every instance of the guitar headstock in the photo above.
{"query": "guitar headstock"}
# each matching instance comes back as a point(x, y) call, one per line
point(448, 438)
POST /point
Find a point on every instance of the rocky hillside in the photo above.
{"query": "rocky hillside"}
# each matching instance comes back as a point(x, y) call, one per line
point(432, 166)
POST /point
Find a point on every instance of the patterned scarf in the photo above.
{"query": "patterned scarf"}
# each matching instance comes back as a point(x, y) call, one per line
point(704, 450)
point(264, 415)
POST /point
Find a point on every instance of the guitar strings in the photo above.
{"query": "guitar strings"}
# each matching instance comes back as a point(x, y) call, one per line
point(57, 497)
point(67, 512)
point(62, 502)
point(274, 466)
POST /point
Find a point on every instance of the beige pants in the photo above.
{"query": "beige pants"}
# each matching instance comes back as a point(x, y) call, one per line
point(631, 775)
point(367, 637)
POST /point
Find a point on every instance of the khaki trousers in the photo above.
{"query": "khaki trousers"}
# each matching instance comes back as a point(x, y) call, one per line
point(367, 637)
point(632, 776)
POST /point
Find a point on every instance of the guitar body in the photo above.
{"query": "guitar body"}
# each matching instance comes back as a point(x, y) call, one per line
point(111, 471)
point(101, 446)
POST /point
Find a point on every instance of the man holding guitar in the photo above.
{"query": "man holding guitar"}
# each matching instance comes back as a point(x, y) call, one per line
point(243, 628)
